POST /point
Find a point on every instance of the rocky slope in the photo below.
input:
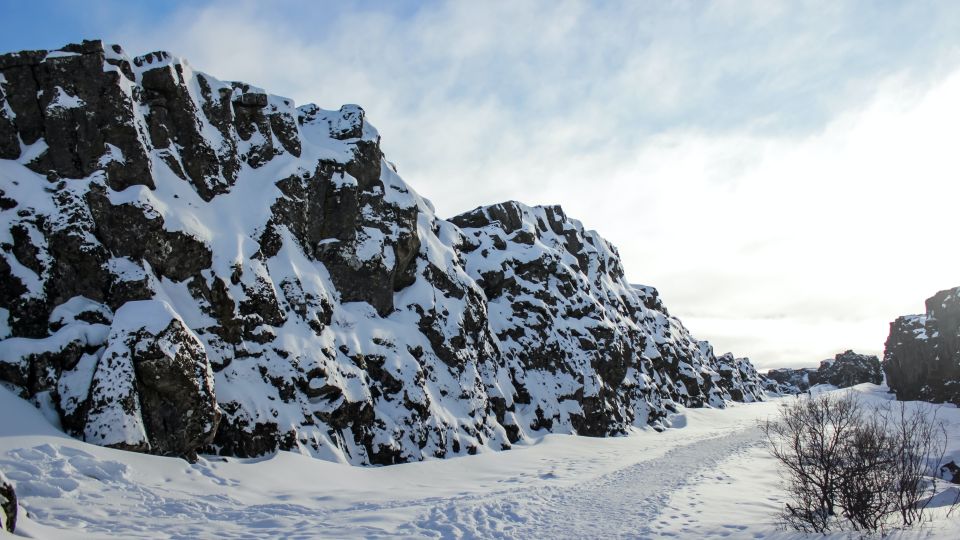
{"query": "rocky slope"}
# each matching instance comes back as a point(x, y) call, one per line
point(846, 369)
point(195, 265)
point(922, 355)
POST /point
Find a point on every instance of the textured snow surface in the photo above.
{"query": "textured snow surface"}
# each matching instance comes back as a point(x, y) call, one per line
point(708, 478)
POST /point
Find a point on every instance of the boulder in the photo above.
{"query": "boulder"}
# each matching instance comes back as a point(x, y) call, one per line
point(153, 388)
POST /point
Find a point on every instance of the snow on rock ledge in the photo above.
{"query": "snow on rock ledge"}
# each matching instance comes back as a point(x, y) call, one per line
point(168, 234)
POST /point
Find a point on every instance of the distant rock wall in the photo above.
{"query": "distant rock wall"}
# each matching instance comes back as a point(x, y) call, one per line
point(189, 264)
point(791, 381)
point(843, 371)
point(922, 353)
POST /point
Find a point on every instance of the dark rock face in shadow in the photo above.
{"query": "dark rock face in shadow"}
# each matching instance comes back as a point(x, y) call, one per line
point(922, 354)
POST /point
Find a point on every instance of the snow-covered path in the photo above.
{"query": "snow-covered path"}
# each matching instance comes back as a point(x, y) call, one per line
point(710, 477)
point(637, 495)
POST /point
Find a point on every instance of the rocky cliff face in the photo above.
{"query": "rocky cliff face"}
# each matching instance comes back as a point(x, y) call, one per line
point(922, 354)
point(843, 371)
point(8, 505)
point(195, 265)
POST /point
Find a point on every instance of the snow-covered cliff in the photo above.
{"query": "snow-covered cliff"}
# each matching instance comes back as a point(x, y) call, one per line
point(921, 357)
point(188, 264)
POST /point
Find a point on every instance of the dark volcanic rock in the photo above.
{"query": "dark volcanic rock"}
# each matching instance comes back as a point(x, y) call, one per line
point(922, 354)
point(197, 265)
point(849, 369)
point(843, 371)
point(792, 381)
point(8, 505)
point(152, 389)
point(175, 386)
point(81, 111)
point(950, 472)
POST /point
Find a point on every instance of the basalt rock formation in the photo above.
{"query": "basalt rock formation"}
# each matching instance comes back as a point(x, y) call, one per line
point(843, 371)
point(8, 505)
point(193, 265)
point(790, 381)
point(922, 354)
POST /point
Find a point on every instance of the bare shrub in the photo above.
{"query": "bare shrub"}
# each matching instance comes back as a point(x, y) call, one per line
point(854, 466)
point(866, 475)
point(919, 443)
point(808, 441)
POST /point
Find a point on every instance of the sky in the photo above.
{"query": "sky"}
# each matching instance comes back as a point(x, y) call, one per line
point(785, 173)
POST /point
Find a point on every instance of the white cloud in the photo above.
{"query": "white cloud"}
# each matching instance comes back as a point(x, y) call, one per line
point(784, 173)
point(847, 228)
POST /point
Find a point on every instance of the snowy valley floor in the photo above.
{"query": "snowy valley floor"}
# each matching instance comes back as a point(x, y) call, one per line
point(710, 477)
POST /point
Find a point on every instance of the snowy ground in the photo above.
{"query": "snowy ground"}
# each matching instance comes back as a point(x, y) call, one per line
point(708, 478)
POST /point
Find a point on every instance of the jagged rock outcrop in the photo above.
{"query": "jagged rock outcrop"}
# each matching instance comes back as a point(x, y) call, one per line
point(790, 381)
point(846, 369)
point(152, 387)
point(8, 505)
point(188, 264)
point(922, 354)
point(950, 472)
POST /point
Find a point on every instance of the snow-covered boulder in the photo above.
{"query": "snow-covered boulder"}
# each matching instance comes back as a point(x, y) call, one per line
point(174, 247)
point(8, 505)
point(152, 389)
point(922, 354)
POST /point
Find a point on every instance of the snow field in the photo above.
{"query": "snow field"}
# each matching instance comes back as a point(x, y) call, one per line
point(709, 477)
